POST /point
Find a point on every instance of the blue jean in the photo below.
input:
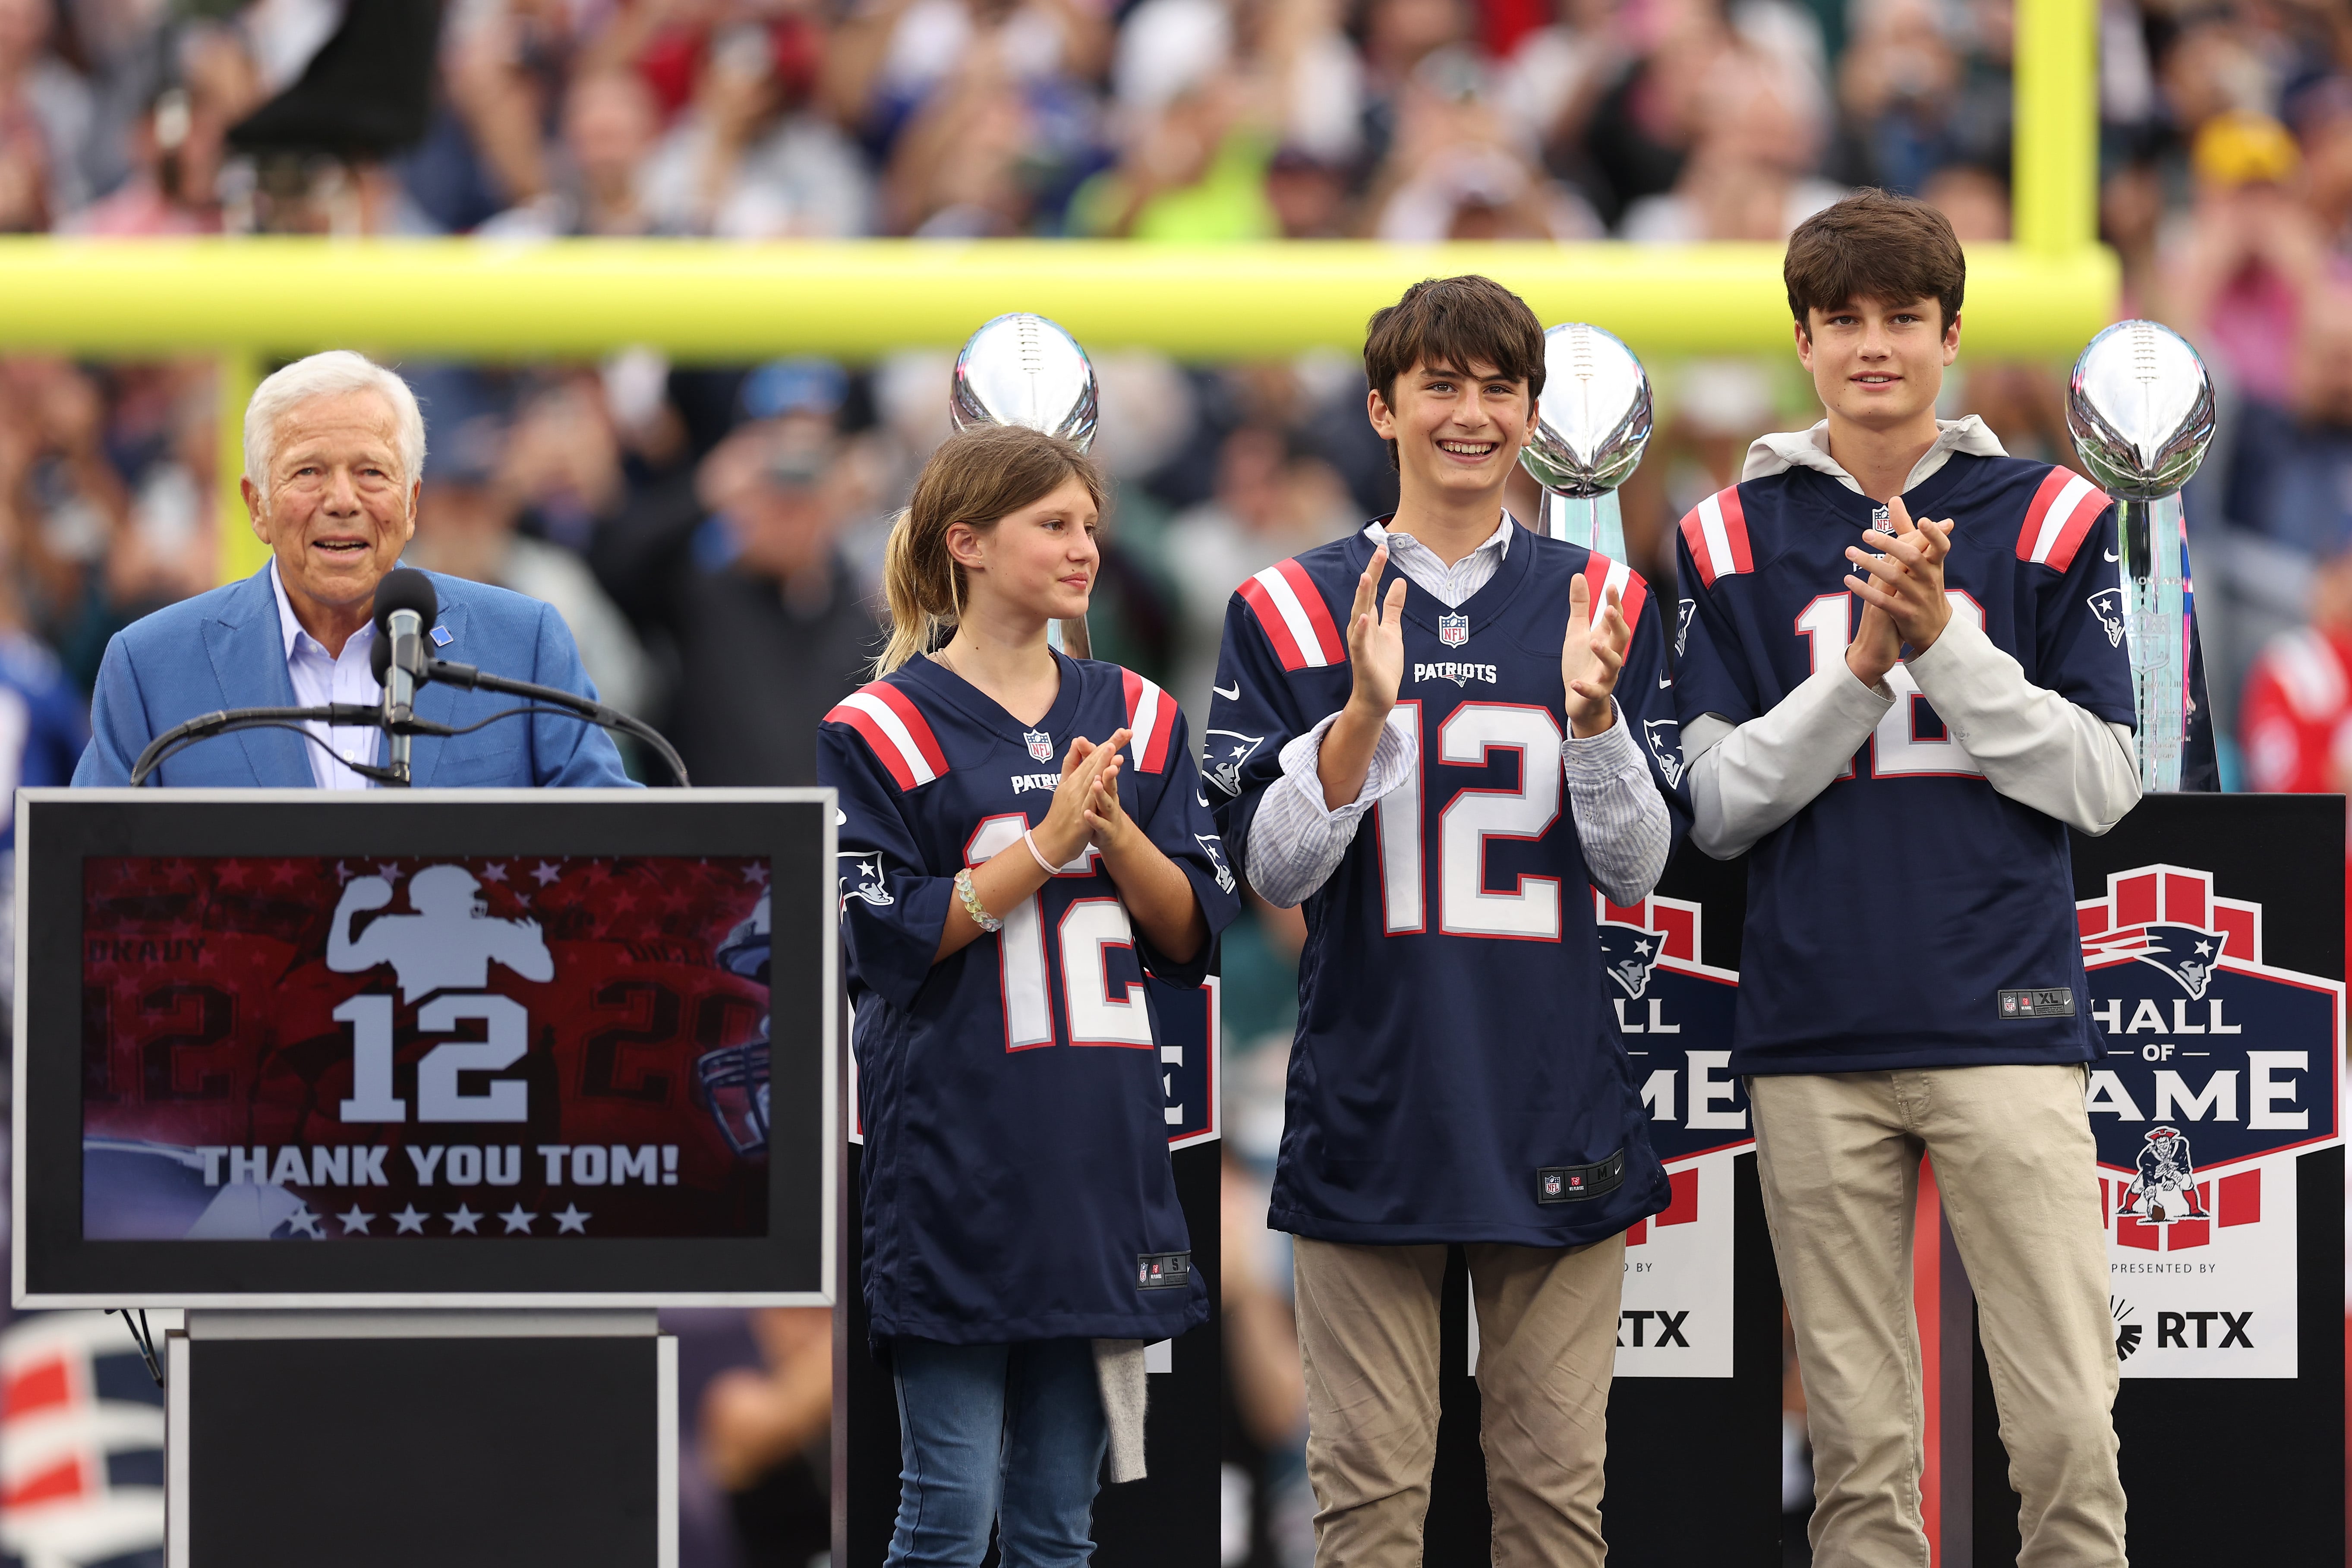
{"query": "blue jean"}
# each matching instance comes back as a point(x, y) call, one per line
point(1009, 1434)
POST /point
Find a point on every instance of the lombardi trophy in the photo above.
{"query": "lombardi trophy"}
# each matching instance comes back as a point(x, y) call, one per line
point(1591, 424)
point(2140, 408)
point(1021, 369)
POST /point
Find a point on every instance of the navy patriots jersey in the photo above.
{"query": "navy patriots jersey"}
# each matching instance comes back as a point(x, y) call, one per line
point(1017, 1183)
point(1911, 844)
point(1457, 1074)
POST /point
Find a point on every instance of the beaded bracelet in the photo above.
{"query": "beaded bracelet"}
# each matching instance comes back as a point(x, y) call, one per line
point(971, 897)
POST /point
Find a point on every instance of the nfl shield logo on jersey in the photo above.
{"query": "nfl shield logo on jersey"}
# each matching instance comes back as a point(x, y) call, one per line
point(1552, 1184)
point(1454, 630)
point(1041, 744)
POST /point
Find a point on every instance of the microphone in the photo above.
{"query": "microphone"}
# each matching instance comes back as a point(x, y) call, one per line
point(405, 604)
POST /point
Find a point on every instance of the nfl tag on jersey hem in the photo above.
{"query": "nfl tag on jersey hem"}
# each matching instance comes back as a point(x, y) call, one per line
point(2048, 1001)
point(1162, 1270)
point(1574, 1184)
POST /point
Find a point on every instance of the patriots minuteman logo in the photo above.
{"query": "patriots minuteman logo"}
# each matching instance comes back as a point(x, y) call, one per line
point(1041, 744)
point(1628, 954)
point(1454, 630)
point(1665, 736)
point(1689, 607)
point(2187, 952)
point(1225, 754)
point(1217, 849)
point(2107, 603)
point(867, 873)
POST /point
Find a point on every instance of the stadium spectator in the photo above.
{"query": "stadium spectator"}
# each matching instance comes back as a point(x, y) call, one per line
point(738, 565)
point(466, 526)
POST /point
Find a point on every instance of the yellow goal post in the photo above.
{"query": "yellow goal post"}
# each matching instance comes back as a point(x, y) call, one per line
point(250, 300)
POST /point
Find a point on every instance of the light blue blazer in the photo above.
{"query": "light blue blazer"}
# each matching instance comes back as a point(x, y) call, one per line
point(224, 650)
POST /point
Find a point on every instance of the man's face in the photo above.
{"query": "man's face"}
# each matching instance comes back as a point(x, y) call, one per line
point(1876, 363)
point(1457, 429)
point(337, 512)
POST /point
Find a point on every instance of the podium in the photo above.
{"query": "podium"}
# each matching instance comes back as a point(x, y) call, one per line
point(422, 1102)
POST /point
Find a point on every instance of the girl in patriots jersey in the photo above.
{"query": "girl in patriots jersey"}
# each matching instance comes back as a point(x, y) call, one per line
point(1022, 838)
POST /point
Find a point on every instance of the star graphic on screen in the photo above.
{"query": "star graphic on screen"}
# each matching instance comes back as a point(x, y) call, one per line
point(388, 870)
point(463, 1219)
point(496, 871)
point(756, 875)
point(356, 1220)
point(282, 873)
point(408, 1219)
point(624, 901)
point(343, 873)
point(570, 1218)
point(546, 873)
point(231, 874)
point(304, 1221)
point(518, 1220)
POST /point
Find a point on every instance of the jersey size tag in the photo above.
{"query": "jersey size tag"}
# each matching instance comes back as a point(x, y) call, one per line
point(2047, 1002)
point(1162, 1270)
point(1574, 1184)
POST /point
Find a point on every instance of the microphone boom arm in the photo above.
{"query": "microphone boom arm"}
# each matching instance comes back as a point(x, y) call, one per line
point(597, 713)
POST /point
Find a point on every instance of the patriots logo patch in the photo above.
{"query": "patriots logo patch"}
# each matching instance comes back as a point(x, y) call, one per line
point(1665, 736)
point(1215, 849)
point(1628, 954)
point(1683, 615)
point(870, 887)
point(1223, 756)
point(2107, 603)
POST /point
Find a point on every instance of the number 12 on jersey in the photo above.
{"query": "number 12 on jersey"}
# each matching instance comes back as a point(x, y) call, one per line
point(1898, 750)
point(1468, 737)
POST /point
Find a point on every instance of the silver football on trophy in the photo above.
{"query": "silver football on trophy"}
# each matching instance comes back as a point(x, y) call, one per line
point(2140, 407)
point(1025, 370)
point(1593, 418)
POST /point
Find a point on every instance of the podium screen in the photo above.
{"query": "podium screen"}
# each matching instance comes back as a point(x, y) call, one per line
point(426, 1048)
point(340, 1049)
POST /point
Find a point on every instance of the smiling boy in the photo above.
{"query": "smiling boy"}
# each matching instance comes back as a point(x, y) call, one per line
point(1898, 722)
point(1456, 1076)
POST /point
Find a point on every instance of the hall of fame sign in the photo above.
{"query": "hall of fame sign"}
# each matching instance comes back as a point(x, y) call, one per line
point(2217, 1073)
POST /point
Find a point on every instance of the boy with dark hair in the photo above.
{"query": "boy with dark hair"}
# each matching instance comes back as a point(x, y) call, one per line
point(1898, 722)
point(1456, 1076)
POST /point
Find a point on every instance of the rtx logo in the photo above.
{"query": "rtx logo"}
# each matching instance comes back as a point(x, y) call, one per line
point(1663, 1329)
point(2215, 1331)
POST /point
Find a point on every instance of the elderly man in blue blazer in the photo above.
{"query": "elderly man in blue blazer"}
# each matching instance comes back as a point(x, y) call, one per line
point(334, 454)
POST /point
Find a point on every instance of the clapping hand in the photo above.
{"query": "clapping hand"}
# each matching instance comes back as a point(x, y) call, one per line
point(1590, 655)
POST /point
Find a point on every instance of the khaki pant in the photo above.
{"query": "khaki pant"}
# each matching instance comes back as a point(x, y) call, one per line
point(1547, 1347)
point(1839, 1154)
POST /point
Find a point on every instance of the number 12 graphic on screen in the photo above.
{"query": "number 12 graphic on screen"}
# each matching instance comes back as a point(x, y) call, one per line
point(1897, 748)
point(1089, 929)
point(448, 942)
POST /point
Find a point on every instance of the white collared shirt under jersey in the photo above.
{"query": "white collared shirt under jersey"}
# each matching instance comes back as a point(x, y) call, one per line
point(320, 680)
point(1295, 842)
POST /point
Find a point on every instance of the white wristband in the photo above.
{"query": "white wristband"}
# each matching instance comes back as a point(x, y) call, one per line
point(1028, 837)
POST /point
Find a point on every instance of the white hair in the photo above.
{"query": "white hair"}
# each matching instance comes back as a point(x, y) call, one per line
point(331, 374)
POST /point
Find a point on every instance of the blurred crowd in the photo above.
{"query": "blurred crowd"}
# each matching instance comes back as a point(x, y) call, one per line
point(713, 536)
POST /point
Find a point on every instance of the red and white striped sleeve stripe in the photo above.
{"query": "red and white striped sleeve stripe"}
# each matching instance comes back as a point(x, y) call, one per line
point(2060, 517)
point(1151, 715)
point(1603, 574)
point(901, 737)
point(1716, 531)
point(1297, 620)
